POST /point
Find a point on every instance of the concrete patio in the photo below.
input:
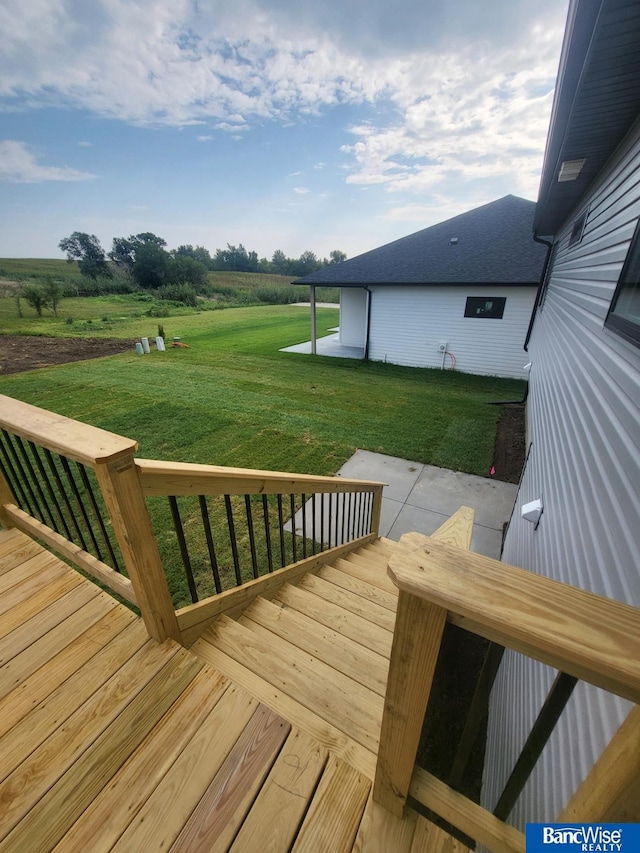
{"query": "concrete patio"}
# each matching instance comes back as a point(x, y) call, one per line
point(329, 345)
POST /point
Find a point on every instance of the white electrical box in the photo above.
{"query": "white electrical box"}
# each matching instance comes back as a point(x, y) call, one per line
point(442, 346)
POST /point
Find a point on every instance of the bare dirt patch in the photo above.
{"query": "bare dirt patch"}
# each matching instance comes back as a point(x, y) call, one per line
point(24, 352)
point(509, 449)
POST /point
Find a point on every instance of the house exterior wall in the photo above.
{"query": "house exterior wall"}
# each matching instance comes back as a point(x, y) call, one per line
point(408, 324)
point(353, 316)
point(584, 461)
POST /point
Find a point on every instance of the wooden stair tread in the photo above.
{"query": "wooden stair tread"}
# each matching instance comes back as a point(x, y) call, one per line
point(375, 574)
point(348, 657)
point(337, 699)
point(330, 737)
point(349, 624)
point(340, 575)
point(374, 613)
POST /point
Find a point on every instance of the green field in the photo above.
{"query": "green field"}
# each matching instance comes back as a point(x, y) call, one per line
point(232, 398)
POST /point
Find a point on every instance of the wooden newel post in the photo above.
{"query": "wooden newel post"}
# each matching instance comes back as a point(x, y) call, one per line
point(377, 509)
point(120, 484)
point(416, 644)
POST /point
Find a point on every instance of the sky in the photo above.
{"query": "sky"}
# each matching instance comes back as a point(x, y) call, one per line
point(341, 124)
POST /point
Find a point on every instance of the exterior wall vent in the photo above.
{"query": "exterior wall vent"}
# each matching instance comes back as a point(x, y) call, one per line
point(570, 169)
point(453, 241)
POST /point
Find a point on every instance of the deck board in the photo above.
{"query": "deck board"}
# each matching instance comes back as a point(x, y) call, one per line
point(110, 741)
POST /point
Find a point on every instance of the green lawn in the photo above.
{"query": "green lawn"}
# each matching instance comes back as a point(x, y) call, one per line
point(233, 399)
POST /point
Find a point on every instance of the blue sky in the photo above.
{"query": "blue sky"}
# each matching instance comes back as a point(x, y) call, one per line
point(336, 125)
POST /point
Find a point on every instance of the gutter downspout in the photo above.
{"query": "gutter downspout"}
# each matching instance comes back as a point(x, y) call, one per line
point(312, 300)
point(368, 330)
point(539, 291)
point(532, 320)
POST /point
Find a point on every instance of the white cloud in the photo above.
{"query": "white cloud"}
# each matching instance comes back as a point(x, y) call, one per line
point(84, 144)
point(18, 164)
point(204, 138)
point(301, 190)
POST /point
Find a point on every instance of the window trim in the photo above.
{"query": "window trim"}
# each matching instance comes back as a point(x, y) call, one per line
point(627, 329)
point(579, 224)
point(500, 299)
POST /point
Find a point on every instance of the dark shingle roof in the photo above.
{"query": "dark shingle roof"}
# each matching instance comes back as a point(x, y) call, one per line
point(495, 246)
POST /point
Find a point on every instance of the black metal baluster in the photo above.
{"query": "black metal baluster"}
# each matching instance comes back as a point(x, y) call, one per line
point(58, 481)
point(99, 518)
point(21, 479)
point(232, 539)
point(313, 524)
point(37, 482)
point(322, 522)
point(46, 480)
point(350, 523)
point(304, 526)
point(252, 539)
point(182, 543)
point(267, 531)
point(544, 725)
point(344, 516)
point(12, 476)
point(31, 480)
point(283, 554)
point(206, 523)
point(80, 503)
point(294, 543)
point(67, 470)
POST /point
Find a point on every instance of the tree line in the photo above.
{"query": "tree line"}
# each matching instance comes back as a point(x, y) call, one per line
point(144, 258)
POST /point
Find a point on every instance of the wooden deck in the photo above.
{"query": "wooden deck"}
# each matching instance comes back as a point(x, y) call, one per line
point(110, 741)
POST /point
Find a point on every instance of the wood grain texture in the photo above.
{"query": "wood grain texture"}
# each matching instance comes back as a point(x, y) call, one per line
point(349, 601)
point(370, 592)
point(31, 690)
point(350, 707)
point(67, 698)
point(38, 652)
point(333, 616)
point(185, 478)
point(20, 791)
point(373, 571)
point(416, 645)
point(195, 618)
point(380, 831)
point(221, 811)
point(593, 638)
point(65, 801)
point(73, 439)
point(120, 486)
point(330, 737)
point(117, 805)
point(429, 838)
point(350, 658)
point(15, 549)
point(182, 787)
point(335, 812)
point(611, 790)
point(272, 823)
point(467, 816)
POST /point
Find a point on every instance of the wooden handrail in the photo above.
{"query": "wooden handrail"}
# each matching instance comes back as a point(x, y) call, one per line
point(183, 478)
point(82, 443)
point(591, 637)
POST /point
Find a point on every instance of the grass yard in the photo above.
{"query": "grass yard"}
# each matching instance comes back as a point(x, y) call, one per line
point(233, 399)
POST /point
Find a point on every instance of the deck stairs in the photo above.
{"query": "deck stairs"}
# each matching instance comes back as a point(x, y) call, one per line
point(263, 736)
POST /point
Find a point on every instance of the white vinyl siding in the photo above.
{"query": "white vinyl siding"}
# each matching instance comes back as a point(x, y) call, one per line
point(353, 316)
point(408, 324)
point(584, 429)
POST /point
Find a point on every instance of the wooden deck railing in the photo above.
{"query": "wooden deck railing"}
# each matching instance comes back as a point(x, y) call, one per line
point(584, 636)
point(80, 490)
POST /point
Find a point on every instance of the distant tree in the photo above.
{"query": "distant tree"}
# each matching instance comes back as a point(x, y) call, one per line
point(183, 269)
point(236, 259)
point(35, 296)
point(123, 253)
point(336, 257)
point(150, 266)
point(198, 253)
point(306, 263)
point(280, 262)
point(53, 291)
point(87, 251)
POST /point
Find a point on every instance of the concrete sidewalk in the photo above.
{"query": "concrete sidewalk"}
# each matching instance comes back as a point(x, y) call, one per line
point(421, 497)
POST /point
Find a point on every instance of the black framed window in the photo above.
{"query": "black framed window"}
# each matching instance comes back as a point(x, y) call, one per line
point(491, 307)
point(624, 312)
